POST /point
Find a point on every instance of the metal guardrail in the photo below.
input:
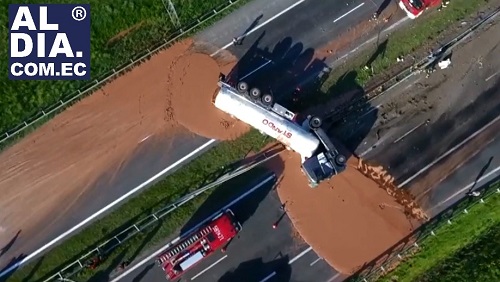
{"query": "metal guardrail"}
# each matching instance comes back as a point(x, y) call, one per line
point(338, 112)
point(103, 78)
point(375, 270)
point(143, 224)
point(405, 248)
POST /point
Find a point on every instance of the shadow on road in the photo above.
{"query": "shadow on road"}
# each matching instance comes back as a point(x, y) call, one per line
point(104, 274)
point(421, 233)
point(11, 263)
point(443, 134)
point(7, 246)
point(257, 270)
point(298, 79)
point(230, 191)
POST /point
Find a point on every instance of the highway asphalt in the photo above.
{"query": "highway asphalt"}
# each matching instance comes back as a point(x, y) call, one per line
point(257, 252)
point(309, 24)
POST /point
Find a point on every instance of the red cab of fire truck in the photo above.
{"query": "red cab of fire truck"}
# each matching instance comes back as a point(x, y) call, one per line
point(414, 8)
point(320, 158)
point(176, 260)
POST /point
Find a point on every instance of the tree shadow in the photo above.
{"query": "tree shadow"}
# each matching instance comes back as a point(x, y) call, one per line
point(13, 261)
point(249, 28)
point(7, 246)
point(380, 51)
point(257, 270)
point(481, 173)
point(143, 273)
point(382, 7)
point(229, 191)
point(35, 268)
point(104, 274)
point(422, 232)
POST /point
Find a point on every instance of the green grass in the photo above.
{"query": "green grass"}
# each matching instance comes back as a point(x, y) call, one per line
point(184, 180)
point(168, 190)
point(119, 31)
point(466, 250)
point(423, 30)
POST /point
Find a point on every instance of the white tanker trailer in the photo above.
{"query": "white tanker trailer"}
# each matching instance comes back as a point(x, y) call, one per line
point(320, 159)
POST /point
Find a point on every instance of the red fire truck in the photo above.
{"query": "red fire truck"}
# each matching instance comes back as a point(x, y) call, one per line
point(415, 8)
point(176, 260)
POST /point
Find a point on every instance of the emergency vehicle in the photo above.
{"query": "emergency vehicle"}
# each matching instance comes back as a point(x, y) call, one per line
point(414, 8)
point(182, 256)
point(320, 158)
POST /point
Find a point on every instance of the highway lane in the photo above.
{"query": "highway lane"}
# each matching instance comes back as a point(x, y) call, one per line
point(257, 252)
point(165, 154)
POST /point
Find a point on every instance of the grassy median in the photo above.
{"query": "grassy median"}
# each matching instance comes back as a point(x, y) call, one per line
point(466, 250)
point(190, 177)
point(119, 31)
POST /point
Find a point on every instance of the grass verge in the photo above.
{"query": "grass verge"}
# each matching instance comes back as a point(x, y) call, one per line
point(184, 180)
point(418, 35)
point(466, 250)
point(119, 31)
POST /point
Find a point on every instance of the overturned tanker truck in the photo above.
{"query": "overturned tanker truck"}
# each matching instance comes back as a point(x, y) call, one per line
point(320, 159)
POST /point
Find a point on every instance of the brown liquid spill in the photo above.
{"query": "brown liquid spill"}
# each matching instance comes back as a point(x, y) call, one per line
point(386, 182)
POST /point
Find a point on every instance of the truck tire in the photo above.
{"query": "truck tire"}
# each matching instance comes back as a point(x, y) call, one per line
point(340, 160)
point(315, 122)
point(267, 100)
point(255, 93)
point(242, 87)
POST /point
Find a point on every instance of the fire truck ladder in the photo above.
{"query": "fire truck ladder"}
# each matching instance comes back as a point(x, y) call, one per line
point(231, 171)
point(186, 243)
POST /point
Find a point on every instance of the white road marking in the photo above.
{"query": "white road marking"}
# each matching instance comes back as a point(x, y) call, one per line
point(350, 11)
point(334, 277)
point(147, 182)
point(461, 191)
point(257, 69)
point(162, 249)
point(106, 208)
point(491, 76)
point(145, 138)
point(408, 132)
point(300, 255)
point(260, 25)
point(448, 153)
point(268, 277)
point(208, 268)
point(315, 261)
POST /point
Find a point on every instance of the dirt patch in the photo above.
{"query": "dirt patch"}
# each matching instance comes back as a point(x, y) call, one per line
point(193, 83)
point(342, 219)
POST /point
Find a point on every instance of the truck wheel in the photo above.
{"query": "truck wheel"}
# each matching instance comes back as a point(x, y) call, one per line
point(242, 87)
point(267, 100)
point(340, 159)
point(255, 93)
point(315, 122)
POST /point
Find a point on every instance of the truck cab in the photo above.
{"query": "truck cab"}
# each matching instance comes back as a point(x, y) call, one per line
point(327, 162)
point(320, 159)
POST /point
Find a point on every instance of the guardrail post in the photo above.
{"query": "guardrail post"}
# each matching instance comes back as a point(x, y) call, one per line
point(449, 221)
point(432, 233)
point(465, 211)
point(117, 239)
point(137, 228)
point(481, 201)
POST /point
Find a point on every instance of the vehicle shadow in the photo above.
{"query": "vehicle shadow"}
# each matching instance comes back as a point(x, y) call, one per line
point(231, 191)
point(422, 232)
point(299, 80)
point(278, 70)
point(257, 270)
